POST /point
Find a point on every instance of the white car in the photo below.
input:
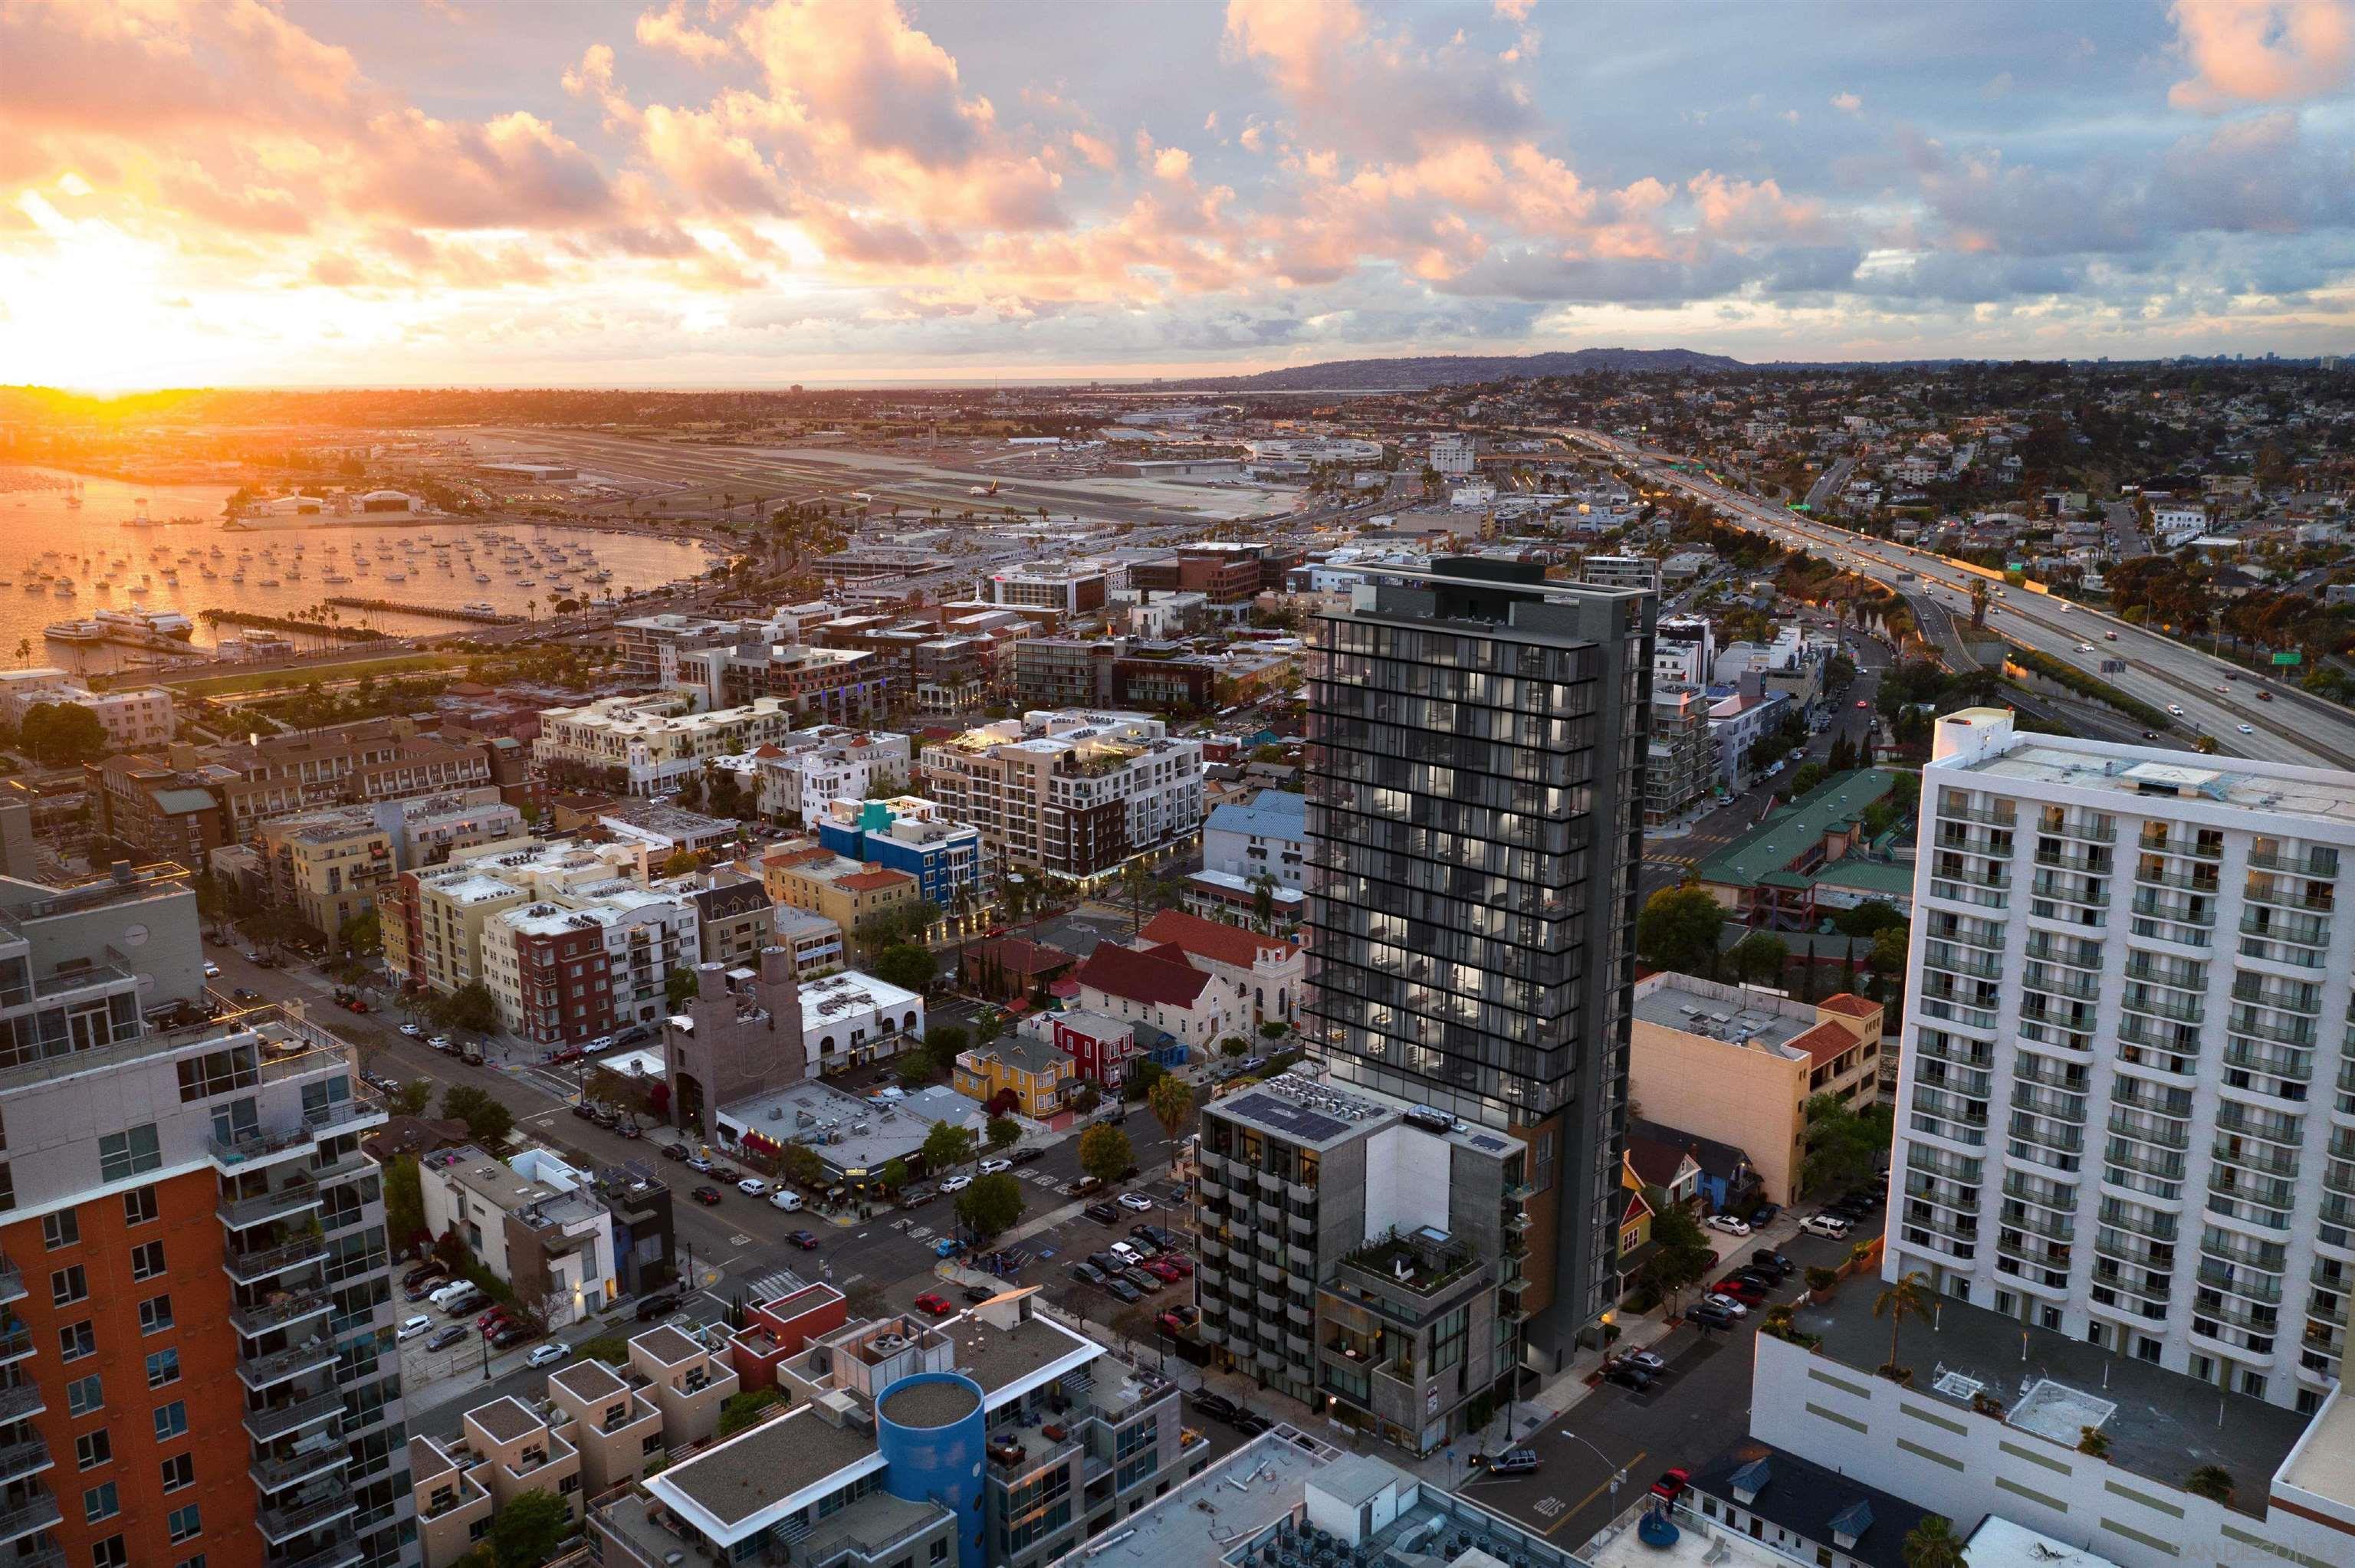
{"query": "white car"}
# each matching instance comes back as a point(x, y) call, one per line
point(956, 1183)
point(439, 1042)
point(212, 969)
point(2085, 648)
point(2248, 729)
point(1829, 1225)
point(753, 1185)
point(413, 1326)
point(1138, 1202)
point(541, 1355)
point(1729, 1225)
point(1735, 1308)
point(992, 1167)
point(411, 1030)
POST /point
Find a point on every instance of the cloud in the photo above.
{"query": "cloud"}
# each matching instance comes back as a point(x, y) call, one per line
point(514, 172)
point(669, 29)
point(1847, 102)
point(1360, 89)
point(2261, 51)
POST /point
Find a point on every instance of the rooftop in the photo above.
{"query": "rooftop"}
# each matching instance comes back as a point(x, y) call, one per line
point(2162, 1424)
point(1312, 1113)
point(926, 1405)
point(1723, 1013)
point(1806, 1499)
point(1773, 844)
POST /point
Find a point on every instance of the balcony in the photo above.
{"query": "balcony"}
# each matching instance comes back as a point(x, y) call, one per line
point(261, 1372)
point(2273, 1162)
point(275, 1421)
point(2303, 932)
point(276, 1473)
point(2282, 895)
point(2155, 1227)
point(297, 1197)
point(2073, 955)
point(324, 1505)
point(11, 1281)
point(271, 1143)
point(15, 1344)
point(2295, 1065)
point(265, 1263)
point(19, 1401)
point(2114, 1244)
point(2193, 848)
point(18, 1460)
point(37, 1512)
point(2235, 1119)
point(255, 1321)
point(342, 1550)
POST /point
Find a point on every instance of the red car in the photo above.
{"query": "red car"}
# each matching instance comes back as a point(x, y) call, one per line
point(1177, 1319)
point(491, 1319)
point(1160, 1269)
point(706, 1196)
point(1672, 1485)
point(1179, 1261)
point(1745, 1291)
point(805, 1240)
point(937, 1305)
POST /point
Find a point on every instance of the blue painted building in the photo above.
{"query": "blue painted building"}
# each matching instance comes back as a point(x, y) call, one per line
point(911, 834)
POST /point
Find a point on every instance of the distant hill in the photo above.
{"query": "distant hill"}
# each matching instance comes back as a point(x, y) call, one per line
point(1456, 369)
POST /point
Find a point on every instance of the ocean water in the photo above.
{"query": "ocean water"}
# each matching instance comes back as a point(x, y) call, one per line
point(41, 532)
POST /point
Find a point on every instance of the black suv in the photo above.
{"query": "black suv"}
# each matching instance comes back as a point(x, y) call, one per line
point(654, 1307)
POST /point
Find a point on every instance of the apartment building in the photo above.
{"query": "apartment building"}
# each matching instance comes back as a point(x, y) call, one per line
point(532, 1221)
point(1454, 455)
point(198, 1328)
point(1068, 588)
point(792, 780)
point(131, 716)
point(908, 833)
point(1681, 768)
point(1071, 794)
point(1267, 837)
point(2135, 956)
point(733, 921)
point(1226, 574)
point(568, 968)
point(1622, 572)
point(432, 919)
point(1063, 671)
point(156, 807)
point(381, 759)
point(1737, 1064)
point(1475, 781)
point(325, 866)
point(1362, 1254)
point(997, 1436)
point(817, 685)
point(850, 893)
point(644, 745)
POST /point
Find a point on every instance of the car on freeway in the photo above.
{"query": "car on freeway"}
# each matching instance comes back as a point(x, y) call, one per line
point(2085, 648)
point(1136, 1202)
point(805, 1240)
point(1729, 1225)
point(956, 1183)
point(992, 1167)
point(707, 1195)
point(2110, 636)
point(2263, 695)
point(2248, 729)
point(444, 1337)
point(1830, 1225)
point(753, 1185)
point(410, 1326)
point(1633, 1378)
point(545, 1355)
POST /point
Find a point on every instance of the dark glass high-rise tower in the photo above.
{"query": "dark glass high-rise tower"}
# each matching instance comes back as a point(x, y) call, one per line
point(1475, 795)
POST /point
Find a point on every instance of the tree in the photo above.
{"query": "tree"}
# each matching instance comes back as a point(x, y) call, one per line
point(1136, 885)
point(1263, 888)
point(362, 936)
point(1678, 930)
point(1844, 1146)
point(799, 1164)
point(60, 733)
point(404, 1202)
point(470, 1007)
point(1086, 1100)
point(914, 1070)
point(412, 1097)
point(1931, 1543)
point(1104, 1152)
point(750, 1408)
point(907, 966)
point(487, 1121)
point(946, 1146)
point(678, 986)
point(992, 1205)
point(1908, 1297)
point(2213, 1482)
point(1235, 1046)
point(1809, 774)
point(894, 1175)
point(1760, 957)
point(1171, 1101)
point(526, 1532)
point(1680, 1254)
point(944, 1042)
point(1004, 1132)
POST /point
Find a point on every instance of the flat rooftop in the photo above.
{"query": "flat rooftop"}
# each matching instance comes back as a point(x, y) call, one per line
point(1317, 1114)
point(1270, 1475)
point(2323, 1464)
point(2162, 1424)
point(1723, 1013)
point(2324, 796)
point(873, 1131)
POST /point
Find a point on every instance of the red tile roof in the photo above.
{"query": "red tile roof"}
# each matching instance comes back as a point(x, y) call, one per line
point(872, 881)
point(1210, 938)
point(1825, 1043)
point(1851, 1005)
point(1160, 976)
point(1023, 956)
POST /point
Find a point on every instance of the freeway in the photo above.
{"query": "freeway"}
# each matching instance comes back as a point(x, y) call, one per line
point(2216, 699)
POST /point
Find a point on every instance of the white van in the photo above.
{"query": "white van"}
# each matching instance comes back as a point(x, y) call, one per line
point(789, 1201)
point(457, 1296)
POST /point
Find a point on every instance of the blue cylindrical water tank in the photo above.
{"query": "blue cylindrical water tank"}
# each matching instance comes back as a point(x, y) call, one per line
point(929, 1428)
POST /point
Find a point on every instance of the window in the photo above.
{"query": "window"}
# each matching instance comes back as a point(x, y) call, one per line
point(170, 1420)
point(7, 1188)
point(100, 1503)
point(68, 1286)
point(139, 1206)
point(154, 1314)
point(84, 1395)
point(109, 1553)
point(60, 1229)
point(76, 1340)
point(939, 1552)
point(184, 1524)
point(164, 1368)
point(179, 1472)
point(216, 1073)
point(147, 1260)
point(129, 1152)
point(92, 1449)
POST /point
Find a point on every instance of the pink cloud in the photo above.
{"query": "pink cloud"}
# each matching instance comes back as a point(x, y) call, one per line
point(669, 29)
point(2261, 51)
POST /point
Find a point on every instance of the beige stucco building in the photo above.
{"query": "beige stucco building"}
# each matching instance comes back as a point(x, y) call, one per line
point(1738, 1065)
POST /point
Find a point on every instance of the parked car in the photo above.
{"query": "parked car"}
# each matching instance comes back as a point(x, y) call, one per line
point(512, 1335)
point(440, 1042)
point(1765, 1214)
point(1217, 1406)
point(1102, 1214)
point(422, 1273)
point(934, 1303)
point(706, 1195)
point(1773, 1263)
point(1164, 1272)
point(1180, 1319)
point(1741, 1287)
point(1512, 1462)
point(1122, 1290)
point(1729, 1225)
point(1136, 1201)
point(1159, 1236)
point(1732, 1305)
point(676, 1151)
point(956, 1183)
point(1633, 1378)
point(1651, 1360)
point(701, 1162)
point(992, 1167)
point(1108, 1262)
point(753, 1185)
point(426, 1286)
point(545, 1355)
point(1145, 1279)
point(1672, 1485)
point(1830, 1225)
point(1129, 1252)
point(1087, 1274)
point(410, 1326)
point(447, 1294)
point(1249, 1423)
point(413, 1031)
point(444, 1337)
point(1025, 1156)
point(654, 1307)
point(1709, 1310)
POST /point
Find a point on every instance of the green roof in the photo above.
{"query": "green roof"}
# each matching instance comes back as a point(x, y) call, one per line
point(1774, 843)
point(179, 800)
point(1867, 875)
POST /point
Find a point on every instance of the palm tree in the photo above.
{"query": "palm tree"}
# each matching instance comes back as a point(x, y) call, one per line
point(1933, 1543)
point(1171, 1101)
point(1137, 881)
point(24, 649)
point(1908, 1297)
point(2213, 1482)
point(1264, 901)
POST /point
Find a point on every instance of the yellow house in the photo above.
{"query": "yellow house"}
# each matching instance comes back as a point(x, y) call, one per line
point(847, 892)
point(1037, 1075)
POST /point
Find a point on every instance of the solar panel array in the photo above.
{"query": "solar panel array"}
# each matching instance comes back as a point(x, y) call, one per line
point(1287, 1117)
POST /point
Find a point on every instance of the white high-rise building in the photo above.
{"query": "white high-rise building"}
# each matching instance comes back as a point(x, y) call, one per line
point(1454, 455)
point(2126, 1099)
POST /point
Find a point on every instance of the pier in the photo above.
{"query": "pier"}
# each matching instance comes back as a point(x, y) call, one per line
point(440, 611)
point(289, 624)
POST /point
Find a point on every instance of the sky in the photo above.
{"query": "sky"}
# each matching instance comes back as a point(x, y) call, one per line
point(742, 193)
